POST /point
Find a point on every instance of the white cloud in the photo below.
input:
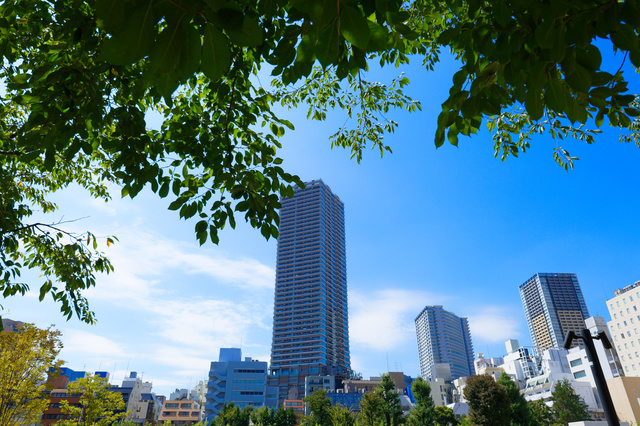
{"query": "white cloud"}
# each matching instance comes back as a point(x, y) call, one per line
point(80, 342)
point(494, 324)
point(142, 260)
point(205, 324)
point(384, 319)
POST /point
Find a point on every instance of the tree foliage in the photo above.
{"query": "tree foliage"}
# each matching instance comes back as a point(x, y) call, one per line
point(489, 403)
point(444, 416)
point(423, 413)
point(266, 416)
point(541, 413)
point(82, 76)
point(98, 406)
point(26, 355)
point(371, 409)
point(342, 416)
point(520, 414)
point(390, 408)
point(319, 406)
point(232, 415)
point(567, 406)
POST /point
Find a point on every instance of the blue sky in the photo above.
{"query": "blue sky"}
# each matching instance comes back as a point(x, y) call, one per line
point(453, 227)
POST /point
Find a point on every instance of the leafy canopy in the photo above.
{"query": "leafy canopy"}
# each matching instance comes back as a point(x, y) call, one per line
point(98, 405)
point(489, 403)
point(81, 77)
point(26, 355)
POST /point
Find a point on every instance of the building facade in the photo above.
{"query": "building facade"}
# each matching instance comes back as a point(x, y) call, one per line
point(553, 305)
point(231, 379)
point(624, 309)
point(443, 339)
point(310, 316)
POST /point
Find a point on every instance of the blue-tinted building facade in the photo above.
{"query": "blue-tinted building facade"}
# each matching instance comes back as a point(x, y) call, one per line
point(553, 305)
point(233, 380)
point(443, 338)
point(310, 318)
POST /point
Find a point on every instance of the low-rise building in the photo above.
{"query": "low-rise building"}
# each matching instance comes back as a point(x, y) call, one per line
point(233, 380)
point(625, 393)
point(180, 412)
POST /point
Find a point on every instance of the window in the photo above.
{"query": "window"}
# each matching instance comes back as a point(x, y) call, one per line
point(576, 362)
point(579, 374)
point(615, 316)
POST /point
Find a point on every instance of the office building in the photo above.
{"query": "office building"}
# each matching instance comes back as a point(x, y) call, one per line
point(624, 309)
point(231, 379)
point(553, 305)
point(444, 344)
point(310, 316)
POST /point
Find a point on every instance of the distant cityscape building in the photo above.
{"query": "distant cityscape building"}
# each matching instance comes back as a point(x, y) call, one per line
point(233, 380)
point(141, 405)
point(180, 412)
point(624, 309)
point(58, 385)
point(553, 305)
point(444, 344)
point(310, 316)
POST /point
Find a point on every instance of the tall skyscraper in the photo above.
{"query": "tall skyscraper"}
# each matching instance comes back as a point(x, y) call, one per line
point(310, 316)
point(553, 305)
point(444, 344)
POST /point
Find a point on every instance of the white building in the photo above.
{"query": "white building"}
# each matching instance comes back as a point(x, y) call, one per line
point(520, 363)
point(624, 309)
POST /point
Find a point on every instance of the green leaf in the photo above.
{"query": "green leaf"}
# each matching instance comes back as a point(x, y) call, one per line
point(354, 26)
point(190, 53)
point(113, 13)
point(215, 53)
point(250, 34)
point(590, 57)
point(230, 17)
point(546, 34)
point(625, 38)
point(579, 79)
point(379, 37)
point(166, 51)
point(553, 95)
point(134, 40)
point(328, 44)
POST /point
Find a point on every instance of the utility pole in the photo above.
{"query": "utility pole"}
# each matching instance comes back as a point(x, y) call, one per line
point(596, 369)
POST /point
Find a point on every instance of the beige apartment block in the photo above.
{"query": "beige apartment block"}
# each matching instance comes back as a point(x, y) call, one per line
point(624, 327)
point(625, 394)
point(180, 412)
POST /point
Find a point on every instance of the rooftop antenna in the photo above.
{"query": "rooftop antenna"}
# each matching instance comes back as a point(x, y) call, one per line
point(127, 369)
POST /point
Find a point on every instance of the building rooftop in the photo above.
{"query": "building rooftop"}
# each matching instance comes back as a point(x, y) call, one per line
point(619, 291)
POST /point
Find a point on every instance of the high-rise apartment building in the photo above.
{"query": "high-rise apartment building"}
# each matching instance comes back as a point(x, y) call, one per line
point(310, 316)
point(553, 305)
point(624, 309)
point(444, 344)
